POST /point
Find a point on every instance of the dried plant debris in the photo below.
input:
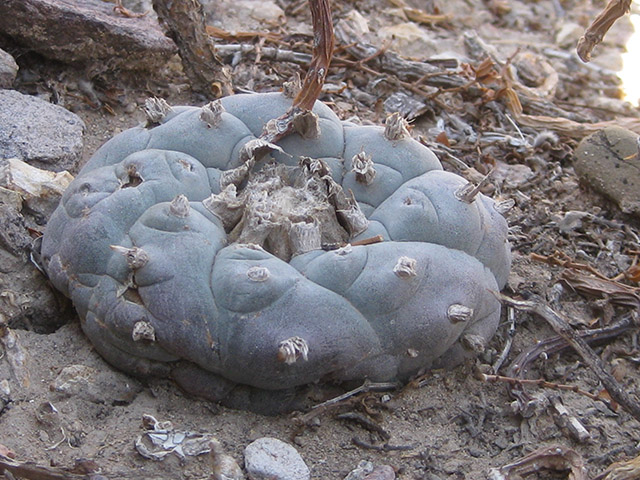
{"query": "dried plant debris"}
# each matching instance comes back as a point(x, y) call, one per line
point(562, 328)
point(622, 470)
point(162, 439)
point(556, 458)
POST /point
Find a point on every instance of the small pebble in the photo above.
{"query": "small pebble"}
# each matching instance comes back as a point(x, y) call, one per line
point(382, 472)
point(609, 161)
point(272, 459)
point(363, 469)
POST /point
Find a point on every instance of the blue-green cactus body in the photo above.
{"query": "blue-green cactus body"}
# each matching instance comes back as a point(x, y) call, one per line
point(164, 287)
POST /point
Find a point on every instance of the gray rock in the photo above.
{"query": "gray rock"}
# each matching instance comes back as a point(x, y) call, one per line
point(609, 161)
point(86, 32)
point(8, 69)
point(272, 459)
point(39, 133)
point(28, 300)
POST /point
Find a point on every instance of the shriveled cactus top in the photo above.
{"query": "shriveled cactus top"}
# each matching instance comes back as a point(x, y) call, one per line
point(185, 257)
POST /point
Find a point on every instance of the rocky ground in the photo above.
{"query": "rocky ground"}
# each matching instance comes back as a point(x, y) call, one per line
point(502, 91)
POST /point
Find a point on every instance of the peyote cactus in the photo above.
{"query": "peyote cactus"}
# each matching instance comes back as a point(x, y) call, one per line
point(186, 255)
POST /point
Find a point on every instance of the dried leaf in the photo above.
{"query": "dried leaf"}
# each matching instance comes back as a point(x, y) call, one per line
point(633, 273)
point(486, 72)
point(442, 138)
point(618, 293)
point(604, 394)
point(511, 98)
point(574, 129)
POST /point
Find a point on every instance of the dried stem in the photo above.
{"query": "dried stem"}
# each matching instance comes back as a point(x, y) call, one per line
point(557, 344)
point(367, 386)
point(314, 80)
point(323, 43)
point(562, 328)
point(351, 395)
point(542, 383)
point(600, 26)
point(185, 24)
point(385, 447)
point(368, 241)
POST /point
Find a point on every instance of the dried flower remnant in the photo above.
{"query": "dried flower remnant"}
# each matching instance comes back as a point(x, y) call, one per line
point(396, 127)
point(136, 257)
point(363, 167)
point(226, 206)
point(457, 313)
point(143, 331)
point(473, 343)
point(211, 113)
point(179, 206)
point(291, 349)
point(292, 88)
point(258, 274)
point(306, 124)
point(405, 267)
point(156, 109)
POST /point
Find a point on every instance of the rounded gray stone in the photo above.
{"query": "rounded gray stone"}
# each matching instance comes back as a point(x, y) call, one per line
point(8, 69)
point(39, 133)
point(609, 161)
point(272, 459)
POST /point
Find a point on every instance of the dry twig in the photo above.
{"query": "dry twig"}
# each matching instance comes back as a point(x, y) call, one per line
point(540, 382)
point(554, 345)
point(366, 422)
point(385, 447)
point(594, 285)
point(568, 421)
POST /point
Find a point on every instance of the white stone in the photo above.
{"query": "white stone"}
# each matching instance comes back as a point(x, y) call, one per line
point(272, 459)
